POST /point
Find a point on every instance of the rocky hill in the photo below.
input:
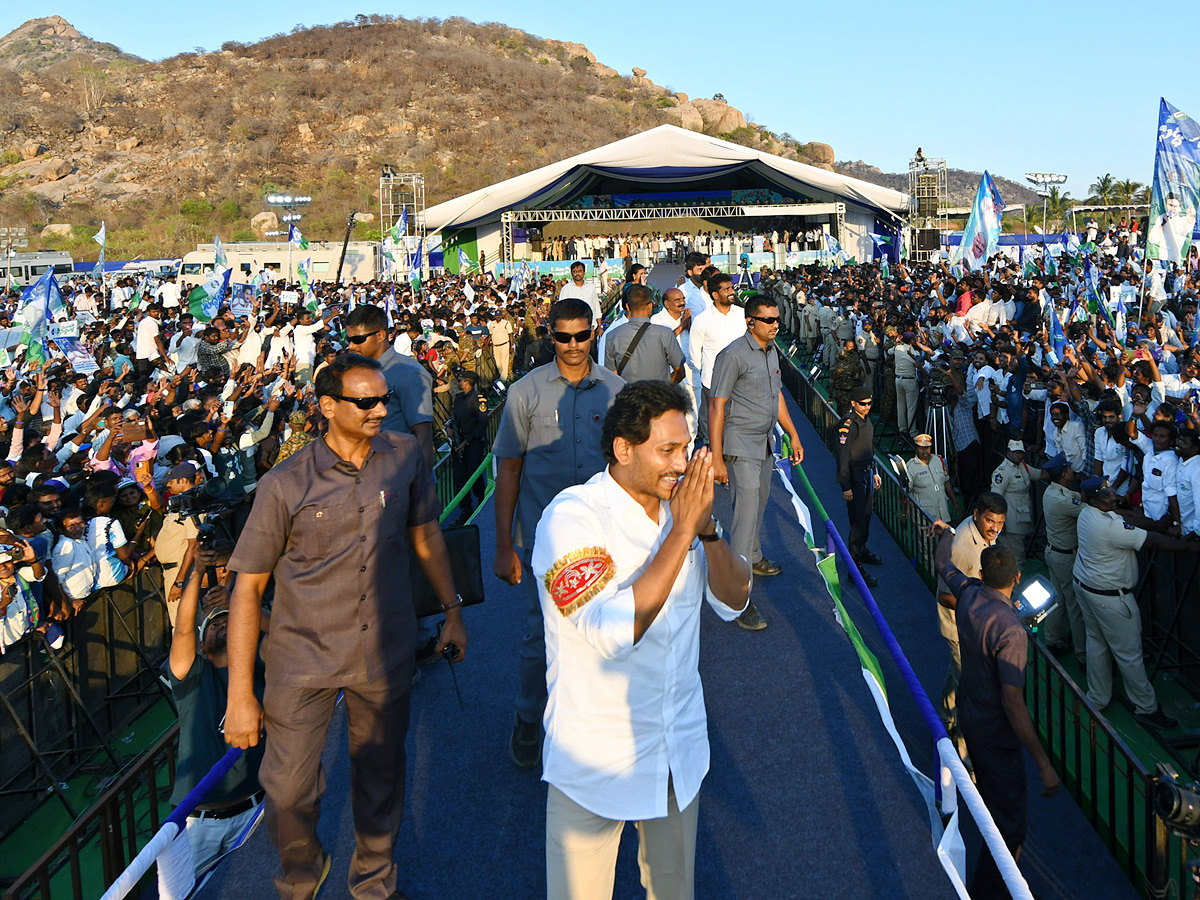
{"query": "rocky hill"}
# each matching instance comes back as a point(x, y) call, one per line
point(42, 42)
point(169, 152)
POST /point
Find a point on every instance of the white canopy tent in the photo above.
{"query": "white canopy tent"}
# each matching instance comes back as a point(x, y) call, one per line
point(668, 158)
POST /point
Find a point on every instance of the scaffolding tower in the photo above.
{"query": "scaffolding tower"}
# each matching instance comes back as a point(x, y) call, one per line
point(927, 205)
point(401, 193)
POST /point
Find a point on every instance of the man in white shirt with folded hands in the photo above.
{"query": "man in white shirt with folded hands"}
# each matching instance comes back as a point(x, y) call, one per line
point(623, 563)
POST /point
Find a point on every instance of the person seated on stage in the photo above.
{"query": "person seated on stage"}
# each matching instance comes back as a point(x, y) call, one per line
point(199, 677)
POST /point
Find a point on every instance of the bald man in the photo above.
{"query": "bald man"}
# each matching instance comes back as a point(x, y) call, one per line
point(676, 316)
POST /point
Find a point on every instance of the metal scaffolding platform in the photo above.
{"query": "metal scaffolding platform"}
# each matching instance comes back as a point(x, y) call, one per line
point(400, 192)
point(927, 205)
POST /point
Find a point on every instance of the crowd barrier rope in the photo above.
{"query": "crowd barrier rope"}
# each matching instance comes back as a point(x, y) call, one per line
point(940, 796)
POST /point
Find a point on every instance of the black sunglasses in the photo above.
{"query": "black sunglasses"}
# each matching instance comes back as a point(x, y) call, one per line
point(359, 338)
point(365, 403)
point(565, 337)
point(766, 320)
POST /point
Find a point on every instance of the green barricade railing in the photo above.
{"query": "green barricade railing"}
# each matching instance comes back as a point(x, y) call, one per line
point(1109, 783)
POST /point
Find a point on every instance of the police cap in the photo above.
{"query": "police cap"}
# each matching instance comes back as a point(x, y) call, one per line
point(861, 394)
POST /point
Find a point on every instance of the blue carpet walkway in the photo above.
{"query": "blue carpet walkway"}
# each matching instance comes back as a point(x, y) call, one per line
point(806, 797)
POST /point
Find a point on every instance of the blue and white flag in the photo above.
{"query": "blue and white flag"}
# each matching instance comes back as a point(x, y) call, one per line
point(1071, 244)
point(1174, 194)
point(220, 260)
point(1058, 338)
point(296, 239)
point(464, 263)
point(831, 244)
point(982, 233)
point(38, 302)
point(1120, 323)
point(101, 238)
point(415, 264)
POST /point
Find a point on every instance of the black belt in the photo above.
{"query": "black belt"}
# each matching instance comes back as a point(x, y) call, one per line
point(228, 812)
point(1061, 550)
point(1097, 591)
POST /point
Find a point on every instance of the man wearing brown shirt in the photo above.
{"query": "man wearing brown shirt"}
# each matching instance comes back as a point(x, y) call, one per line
point(335, 524)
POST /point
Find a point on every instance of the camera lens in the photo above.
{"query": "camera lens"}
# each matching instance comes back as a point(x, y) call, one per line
point(1177, 804)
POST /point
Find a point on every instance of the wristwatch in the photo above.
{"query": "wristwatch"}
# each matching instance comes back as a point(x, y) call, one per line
point(178, 584)
point(711, 536)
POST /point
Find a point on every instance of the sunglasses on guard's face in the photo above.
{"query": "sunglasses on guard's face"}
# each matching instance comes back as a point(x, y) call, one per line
point(766, 320)
point(565, 337)
point(365, 403)
point(359, 338)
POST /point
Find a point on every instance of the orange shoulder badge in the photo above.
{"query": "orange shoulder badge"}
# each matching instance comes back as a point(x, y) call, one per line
point(578, 577)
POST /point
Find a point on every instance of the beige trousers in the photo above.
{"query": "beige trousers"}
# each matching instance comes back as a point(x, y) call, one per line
point(581, 851)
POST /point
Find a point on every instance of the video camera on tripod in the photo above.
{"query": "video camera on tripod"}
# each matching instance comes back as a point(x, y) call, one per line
point(210, 499)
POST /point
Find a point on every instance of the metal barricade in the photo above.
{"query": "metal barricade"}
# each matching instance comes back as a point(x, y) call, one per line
point(63, 711)
point(1103, 775)
point(121, 820)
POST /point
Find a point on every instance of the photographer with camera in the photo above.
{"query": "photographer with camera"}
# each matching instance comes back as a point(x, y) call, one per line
point(199, 676)
point(175, 543)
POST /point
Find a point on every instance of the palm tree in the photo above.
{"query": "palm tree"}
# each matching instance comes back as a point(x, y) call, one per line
point(1103, 190)
point(1126, 190)
point(1104, 193)
point(1056, 207)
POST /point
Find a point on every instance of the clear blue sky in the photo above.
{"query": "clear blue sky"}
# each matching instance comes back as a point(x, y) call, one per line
point(1051, 87)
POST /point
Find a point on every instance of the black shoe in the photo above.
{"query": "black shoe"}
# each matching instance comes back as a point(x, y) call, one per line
point(870, 559)
point(750, 619)
point(765, 567)
point(525, 745)
point(1157, 719)
point(868, 579)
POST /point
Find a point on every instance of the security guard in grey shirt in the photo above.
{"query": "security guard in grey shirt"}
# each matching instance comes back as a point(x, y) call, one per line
point(745, 402)
point(549, 439)
point(639, 350)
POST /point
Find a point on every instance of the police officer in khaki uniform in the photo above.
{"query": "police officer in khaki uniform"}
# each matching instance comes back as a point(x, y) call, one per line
point(928, 484)
point(907, 361)
point(1013, 480)
point(1064, 628)
point(1105, 572)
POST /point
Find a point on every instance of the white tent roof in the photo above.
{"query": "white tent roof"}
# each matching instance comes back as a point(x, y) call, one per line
point(663, 156)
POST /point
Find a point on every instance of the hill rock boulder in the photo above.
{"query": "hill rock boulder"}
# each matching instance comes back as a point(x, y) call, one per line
point(719, 117)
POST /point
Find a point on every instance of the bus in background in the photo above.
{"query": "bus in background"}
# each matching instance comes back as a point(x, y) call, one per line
point(363, 261)
point(25, 268)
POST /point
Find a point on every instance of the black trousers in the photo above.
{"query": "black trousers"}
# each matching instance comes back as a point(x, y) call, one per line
point(972, 476)
point(859, 510)
point(465, 464)
point(1000, 777)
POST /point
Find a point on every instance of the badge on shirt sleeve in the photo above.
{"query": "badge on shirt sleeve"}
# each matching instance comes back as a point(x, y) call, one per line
point(578, 577)
point(999, 478)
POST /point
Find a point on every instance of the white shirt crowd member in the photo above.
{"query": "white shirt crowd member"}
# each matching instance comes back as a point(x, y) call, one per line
point(711, 333)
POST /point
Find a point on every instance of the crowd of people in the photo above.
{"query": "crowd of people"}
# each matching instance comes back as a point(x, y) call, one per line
point(672, 247)
point(231, 452)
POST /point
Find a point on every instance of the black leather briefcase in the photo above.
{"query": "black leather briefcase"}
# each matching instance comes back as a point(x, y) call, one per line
point(462, 546)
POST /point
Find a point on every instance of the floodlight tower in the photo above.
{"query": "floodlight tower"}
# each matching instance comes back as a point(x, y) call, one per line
point(1042, 182)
